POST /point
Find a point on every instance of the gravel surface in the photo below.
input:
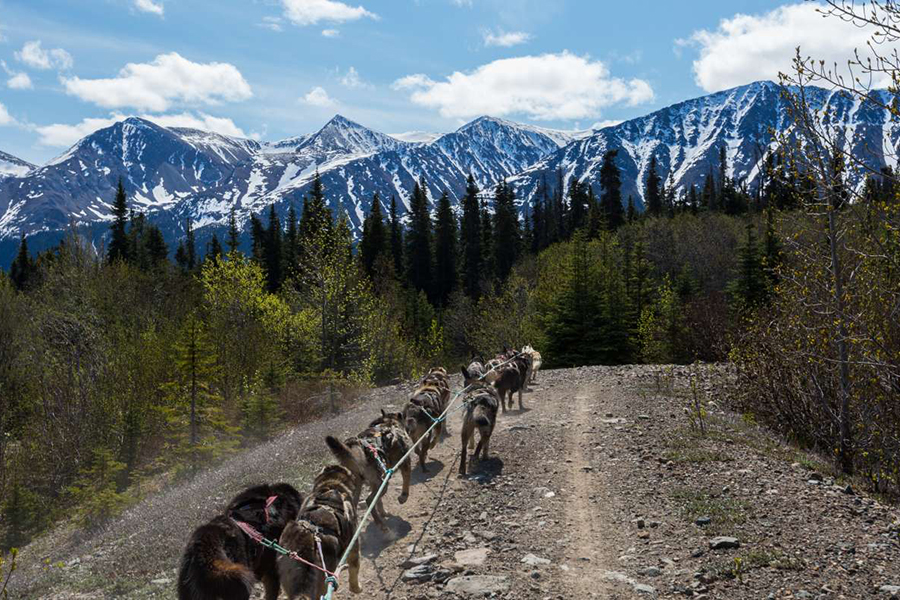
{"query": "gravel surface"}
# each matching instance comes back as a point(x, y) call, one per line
point(601, 488)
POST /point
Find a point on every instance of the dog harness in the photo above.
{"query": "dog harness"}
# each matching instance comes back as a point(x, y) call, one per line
point(378, 453)
point(257, 537)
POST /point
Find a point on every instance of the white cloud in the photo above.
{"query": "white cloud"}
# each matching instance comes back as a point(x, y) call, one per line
point(505, 38)
point(462, 2)
point(605, 123)
point(331, 33)
point(63, 135)
point(168, 80)
point(149, 6)
point(19, 81)
point(33, 55)
point(201, 121)
point(310, 12)
point(353, 80)
point(746, 48)
point(318, 97)
point(546, 87)
point(5, 117)
point(273, 23)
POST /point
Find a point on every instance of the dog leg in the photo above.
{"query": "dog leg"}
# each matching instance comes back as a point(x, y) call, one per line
point(520, 399)
point(484, 450)
point(405, 472)
point(462, 455)
point(270, 582)
point(478, 449)
point(353, 562)
point(423, 456)
point(377, 511)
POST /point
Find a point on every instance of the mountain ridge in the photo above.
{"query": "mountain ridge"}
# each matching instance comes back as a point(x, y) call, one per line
point(175, 174)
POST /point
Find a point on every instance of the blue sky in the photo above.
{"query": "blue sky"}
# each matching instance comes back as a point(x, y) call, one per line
point(275, 68)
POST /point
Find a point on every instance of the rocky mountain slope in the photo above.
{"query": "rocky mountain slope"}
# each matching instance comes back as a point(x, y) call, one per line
point(686, 138)
point(175, 174)
point(10, 166)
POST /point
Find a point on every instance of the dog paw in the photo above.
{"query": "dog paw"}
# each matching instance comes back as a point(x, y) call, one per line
point(355, 588)
point(403, 498)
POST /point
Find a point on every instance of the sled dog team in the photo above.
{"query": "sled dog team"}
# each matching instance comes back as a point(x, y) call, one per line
point(224, 557)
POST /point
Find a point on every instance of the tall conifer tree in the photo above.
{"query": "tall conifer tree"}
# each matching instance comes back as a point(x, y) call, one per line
point(445, 251)
point(653, 190)
point(611, 191)
point(118, 243)
point(470, 239)
point(418, 243)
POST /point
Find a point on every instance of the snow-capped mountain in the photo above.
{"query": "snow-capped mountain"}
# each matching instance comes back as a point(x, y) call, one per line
point(686, 138)
point(173, 174)
point(10, 166)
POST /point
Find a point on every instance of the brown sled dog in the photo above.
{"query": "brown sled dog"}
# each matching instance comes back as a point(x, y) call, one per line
point(511, 379)
point(426, 404)
point(482, 403)
point(385, 439)
point(221, 562)
point(473, 373)
point(329, 512)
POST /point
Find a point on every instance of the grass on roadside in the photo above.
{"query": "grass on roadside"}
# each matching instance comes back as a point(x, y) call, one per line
point(724, 513)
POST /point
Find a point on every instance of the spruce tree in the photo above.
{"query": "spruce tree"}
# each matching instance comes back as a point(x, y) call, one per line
point(316, 216)
point(418, 243)
point(137, 254)
point(234, 234)
point(693, 199)
point(750, 288)
point(445, 251)
point(374, 241)
point(291, 242)
point(258, 240)
point(652, 192)
point(157, 251)
point(487, 243)
point(631, 214)
point(273, 252)
point(396, 238)
point(190, 246)
point(577, 206)
point(181, 257)
point(22, 269)
point(771, 248)
point(596, 221)
point(538, 222)
point(611, 194)
point(669, 200)
point(470, 239)
point(560, 214)
point(118, 243)
point(527, 235)
point(506, 231)
point(214, 248)
point(639, 285)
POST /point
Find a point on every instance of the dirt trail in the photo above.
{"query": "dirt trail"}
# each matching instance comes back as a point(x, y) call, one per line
point(599, 489)
point(535, 500)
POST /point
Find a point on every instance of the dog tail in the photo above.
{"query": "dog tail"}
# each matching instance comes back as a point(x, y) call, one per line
point(207, 574)
point(342, 454)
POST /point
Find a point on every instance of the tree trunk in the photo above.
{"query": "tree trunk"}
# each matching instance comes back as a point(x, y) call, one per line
point(846, 448)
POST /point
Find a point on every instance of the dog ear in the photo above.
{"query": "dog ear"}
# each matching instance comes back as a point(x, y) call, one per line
point(383, 414)
point(465, 372)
